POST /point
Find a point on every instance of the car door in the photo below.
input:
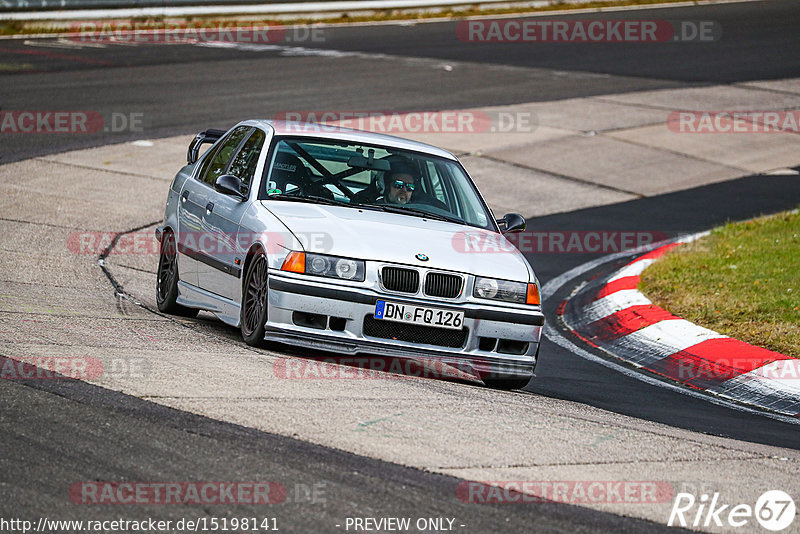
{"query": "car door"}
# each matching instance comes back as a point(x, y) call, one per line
point(224, 221)
point(195, 238)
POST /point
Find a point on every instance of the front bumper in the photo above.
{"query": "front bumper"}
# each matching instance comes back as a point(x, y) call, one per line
point(498, 340)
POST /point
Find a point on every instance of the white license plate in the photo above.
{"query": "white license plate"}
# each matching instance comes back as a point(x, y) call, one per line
point(407, 313)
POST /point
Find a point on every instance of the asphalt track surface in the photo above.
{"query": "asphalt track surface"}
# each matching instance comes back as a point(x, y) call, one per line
point(182, 89)
point(63, 432)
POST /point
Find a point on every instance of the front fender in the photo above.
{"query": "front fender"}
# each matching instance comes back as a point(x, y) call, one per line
point(260, 227)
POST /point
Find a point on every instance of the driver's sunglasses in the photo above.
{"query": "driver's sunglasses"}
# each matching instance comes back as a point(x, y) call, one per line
point(400, 184)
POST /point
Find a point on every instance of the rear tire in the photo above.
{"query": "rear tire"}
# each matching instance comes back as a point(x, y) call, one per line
point(254, 301)
point(167, 279)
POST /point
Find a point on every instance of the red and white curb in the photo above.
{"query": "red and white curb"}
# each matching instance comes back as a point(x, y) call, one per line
point(614, 316)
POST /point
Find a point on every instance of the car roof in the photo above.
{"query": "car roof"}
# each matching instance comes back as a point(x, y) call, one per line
point(324, 131)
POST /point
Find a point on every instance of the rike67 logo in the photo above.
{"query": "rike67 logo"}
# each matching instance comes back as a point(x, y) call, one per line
point(774, 510)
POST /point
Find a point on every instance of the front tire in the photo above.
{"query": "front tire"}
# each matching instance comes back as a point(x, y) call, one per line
point(167, 280)
point(507, 384)
point(254, 301)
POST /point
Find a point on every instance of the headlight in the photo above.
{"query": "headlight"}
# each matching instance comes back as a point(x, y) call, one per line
point(519, 292)
point(321, 265)
point(347, 269)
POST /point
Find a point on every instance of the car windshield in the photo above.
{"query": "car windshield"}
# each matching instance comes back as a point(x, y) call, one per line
point(373, 177)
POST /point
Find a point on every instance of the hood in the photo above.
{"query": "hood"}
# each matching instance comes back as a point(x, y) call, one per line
point(394, 238)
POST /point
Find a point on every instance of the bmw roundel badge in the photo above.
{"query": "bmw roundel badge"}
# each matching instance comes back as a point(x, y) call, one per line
point(421, 257)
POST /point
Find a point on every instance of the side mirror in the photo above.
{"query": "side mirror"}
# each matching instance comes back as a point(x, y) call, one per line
point(511, 222)
point(231, 185)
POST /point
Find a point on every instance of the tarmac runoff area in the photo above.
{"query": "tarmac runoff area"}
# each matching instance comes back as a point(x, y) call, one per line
point(582, 153)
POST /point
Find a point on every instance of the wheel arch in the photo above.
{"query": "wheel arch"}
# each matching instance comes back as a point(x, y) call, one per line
point(254, 249)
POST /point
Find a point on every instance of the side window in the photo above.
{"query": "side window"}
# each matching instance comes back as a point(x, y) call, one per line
point(244, 163)
point(206, 163)
point(436, 182)
point(215, 165)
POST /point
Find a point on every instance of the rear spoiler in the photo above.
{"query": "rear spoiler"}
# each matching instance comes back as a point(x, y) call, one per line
point(209, 136)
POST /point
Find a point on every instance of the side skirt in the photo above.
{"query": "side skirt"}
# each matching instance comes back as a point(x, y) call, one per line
point(227, 310)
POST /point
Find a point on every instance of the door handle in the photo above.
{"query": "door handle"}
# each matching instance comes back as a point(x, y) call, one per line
point(185, 195)
point(209, 207)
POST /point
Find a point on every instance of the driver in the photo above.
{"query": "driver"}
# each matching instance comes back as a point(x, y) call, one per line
point(399, 184)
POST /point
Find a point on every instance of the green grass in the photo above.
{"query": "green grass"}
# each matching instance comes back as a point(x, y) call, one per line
point(743, 281)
